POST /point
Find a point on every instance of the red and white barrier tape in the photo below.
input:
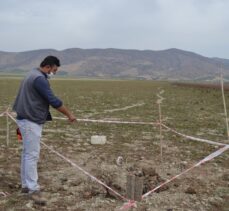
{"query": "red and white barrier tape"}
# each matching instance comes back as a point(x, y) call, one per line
point(146, 123)
point(2, 114)
point(78, 167)
point(110, 121)
point(85, 172)
point(141, 123)
point(193, 138)
point(208, 158)
point(4, 194)
point(129, 204)
point(116, 109)
point(7, 113)
point(132, 203)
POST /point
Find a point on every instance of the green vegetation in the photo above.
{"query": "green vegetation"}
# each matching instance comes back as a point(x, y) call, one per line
point(192, 110)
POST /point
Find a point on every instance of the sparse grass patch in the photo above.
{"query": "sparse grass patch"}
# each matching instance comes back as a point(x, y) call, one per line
point(190, 110)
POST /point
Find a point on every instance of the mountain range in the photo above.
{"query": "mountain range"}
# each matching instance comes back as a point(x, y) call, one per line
point(170, 64)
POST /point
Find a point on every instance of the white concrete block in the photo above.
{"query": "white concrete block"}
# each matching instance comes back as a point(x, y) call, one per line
point(98, 139)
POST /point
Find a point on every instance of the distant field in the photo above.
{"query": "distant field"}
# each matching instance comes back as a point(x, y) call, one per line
point(204, 85)
point(192, 110)
point(186, 106)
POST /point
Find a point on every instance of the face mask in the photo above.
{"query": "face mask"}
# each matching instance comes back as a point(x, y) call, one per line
point(50, 75)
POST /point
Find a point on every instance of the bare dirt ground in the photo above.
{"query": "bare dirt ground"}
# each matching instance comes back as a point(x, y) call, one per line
point(192, 111)
point(66, 188)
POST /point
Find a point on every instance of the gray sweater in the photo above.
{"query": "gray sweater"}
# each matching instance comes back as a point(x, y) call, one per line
point(34, 97)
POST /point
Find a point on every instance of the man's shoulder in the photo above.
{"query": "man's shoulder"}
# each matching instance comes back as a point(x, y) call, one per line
point(35, 73)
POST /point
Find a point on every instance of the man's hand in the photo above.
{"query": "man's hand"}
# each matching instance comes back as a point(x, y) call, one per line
point(72, 118)
point(66, 112)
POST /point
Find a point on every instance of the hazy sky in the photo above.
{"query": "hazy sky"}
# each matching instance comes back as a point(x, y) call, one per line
point(200, 26)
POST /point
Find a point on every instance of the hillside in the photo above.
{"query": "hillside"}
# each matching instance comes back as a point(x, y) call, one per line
point(115, 63)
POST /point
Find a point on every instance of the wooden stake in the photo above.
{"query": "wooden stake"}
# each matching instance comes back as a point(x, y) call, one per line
point(224, 105)
point(134, 187)
point(138, 188)
point(161, 147)
point(7, 131)
point(130, 186)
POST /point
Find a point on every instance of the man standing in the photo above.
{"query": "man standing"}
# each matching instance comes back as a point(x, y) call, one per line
point(32, 108)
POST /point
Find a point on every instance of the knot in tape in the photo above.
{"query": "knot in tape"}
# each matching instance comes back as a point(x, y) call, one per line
point(129, 204)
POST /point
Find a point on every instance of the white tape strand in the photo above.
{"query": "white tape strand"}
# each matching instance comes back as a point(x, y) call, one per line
point(122, 109)
point(7, 113)
point(110, 121)
point(2, 114)
point(4, 194)
point(208, 158)
point(146, 123)
point(140, 123)
point(213, 155)
point(193, 138)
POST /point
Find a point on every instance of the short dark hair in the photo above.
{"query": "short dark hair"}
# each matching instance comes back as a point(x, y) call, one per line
point(51, 61)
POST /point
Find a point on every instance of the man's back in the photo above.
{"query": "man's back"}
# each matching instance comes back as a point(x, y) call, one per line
point(29, 104)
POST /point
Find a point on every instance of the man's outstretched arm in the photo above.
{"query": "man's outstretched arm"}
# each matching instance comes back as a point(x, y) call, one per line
point(67, 113)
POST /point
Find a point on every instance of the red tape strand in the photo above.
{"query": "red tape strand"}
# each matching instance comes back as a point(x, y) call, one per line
point(208, 158)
